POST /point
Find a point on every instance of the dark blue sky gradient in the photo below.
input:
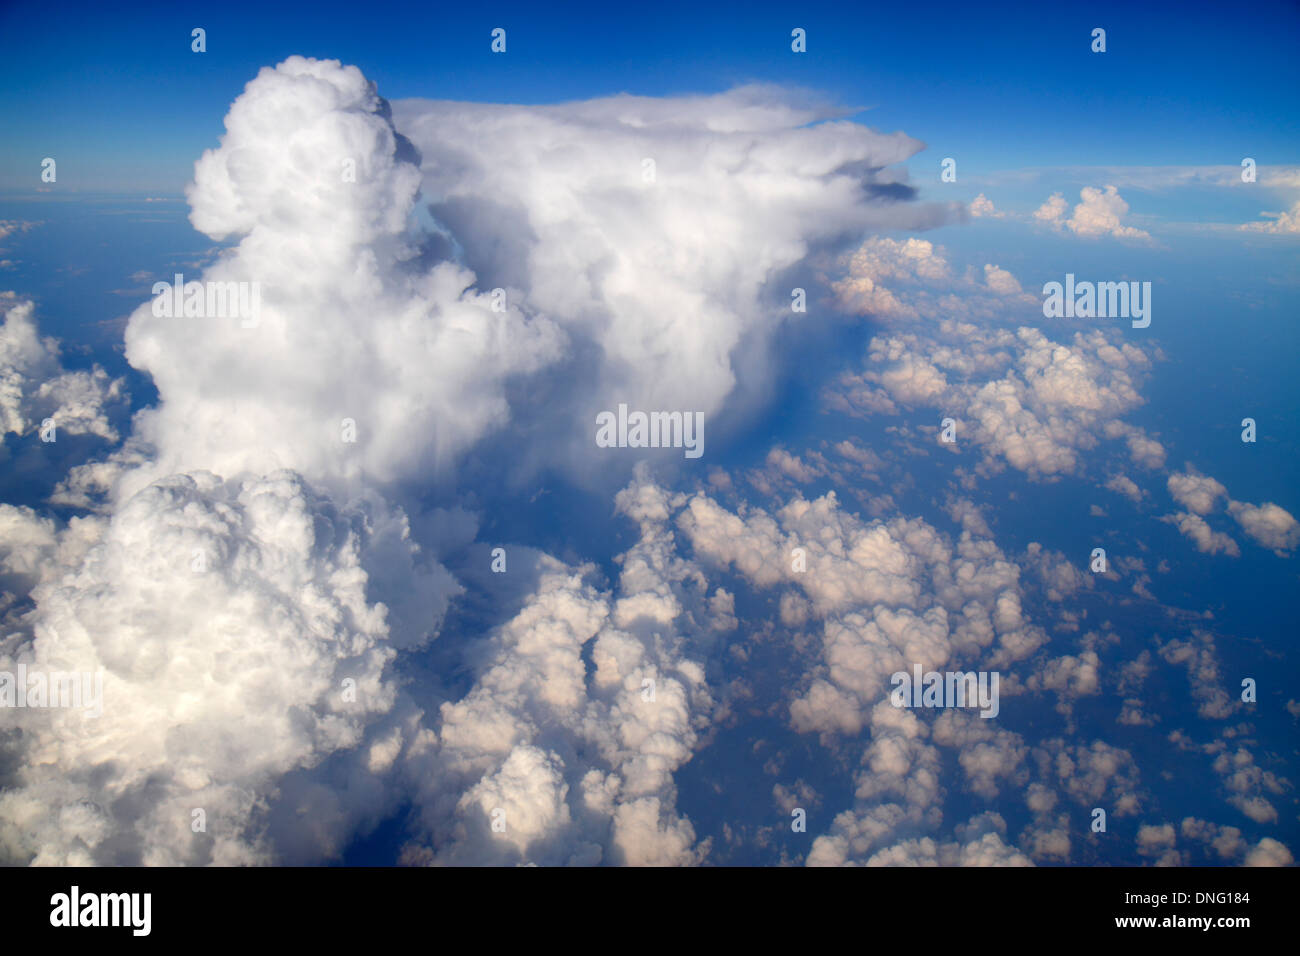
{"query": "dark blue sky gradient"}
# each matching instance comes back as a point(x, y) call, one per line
point(120, 100)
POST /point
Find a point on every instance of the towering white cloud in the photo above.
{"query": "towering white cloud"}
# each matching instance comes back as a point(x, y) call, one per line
point(245, 566)
point(319, 188)
point(447, 275)
point(226, 599)
point(225, 619)
point(662, 233)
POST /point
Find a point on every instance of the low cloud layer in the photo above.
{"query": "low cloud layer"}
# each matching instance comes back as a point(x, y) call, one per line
point(1022, 397)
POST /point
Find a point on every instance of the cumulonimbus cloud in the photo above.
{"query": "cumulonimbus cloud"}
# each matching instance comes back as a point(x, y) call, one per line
point(245, 579)
point(253, 591)
point(661, 234)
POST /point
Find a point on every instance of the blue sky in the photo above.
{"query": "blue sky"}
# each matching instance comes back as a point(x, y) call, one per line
point(823, 429)
point(122, 97)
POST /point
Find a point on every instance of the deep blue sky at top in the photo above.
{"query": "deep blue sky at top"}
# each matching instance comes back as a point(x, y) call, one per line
point(118, 98)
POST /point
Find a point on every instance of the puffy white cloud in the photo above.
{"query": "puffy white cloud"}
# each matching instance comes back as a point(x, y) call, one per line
point(1207, 540)
point(28, 543)
point(981, 842)
point(1286, 222)
point(1070, 676)
point(34, 386)
point(1132, 715)
point(988, 850)
point(1200, 657)
point(1001, 281)
point(1226, 841)
point(638, 216)
point(1124, 485)
point(889, 594)
point(982, 206)
point(985, 754)
point(226, 609)
point(224, 690)
point(34, 548)
point(225, 619)
point(904, 259)
point(1143, 450)
point(246, 561)
point(347, 329)
point(1022, 397)
point(1247, 782)
point(1060, 577)
point(1269, 852)
point(359, 320)
point(1034, 402)
point(1158, 842)
point(581, 762)
point(1092, 773)
point(1048, 843)
point(1268, 524)
point(907, 278)
point(896, 581)
point(791, 466)
point(1099, 213)
point(1151, 838)
point(1053, 210)
point(1197, 493)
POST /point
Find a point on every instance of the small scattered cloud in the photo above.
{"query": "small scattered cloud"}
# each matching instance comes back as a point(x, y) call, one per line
point(982, 207)
point(1099, 213)
point(1279, 223)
